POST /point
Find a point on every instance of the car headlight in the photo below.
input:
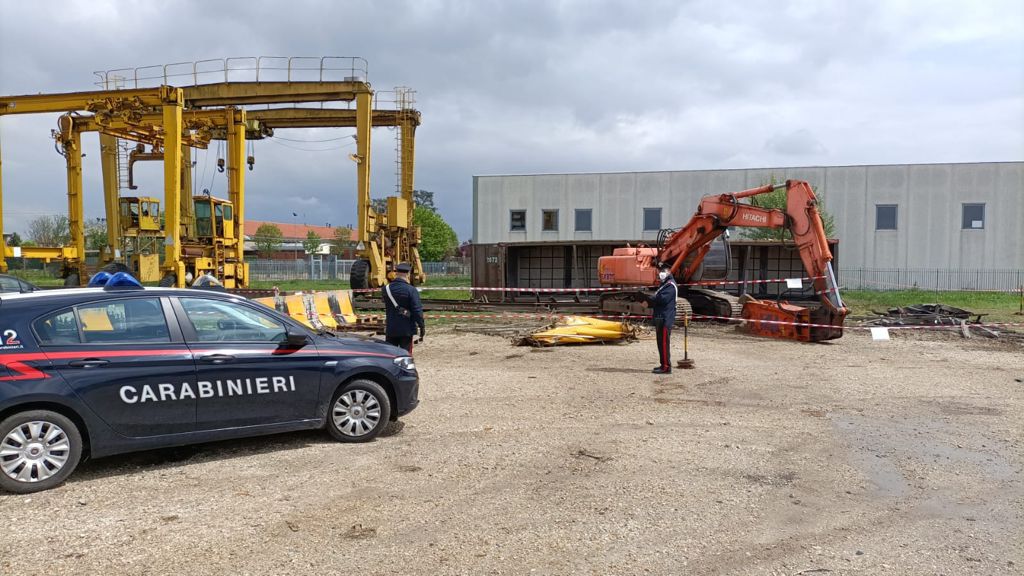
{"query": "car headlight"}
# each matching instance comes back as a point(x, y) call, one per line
point(405, 363)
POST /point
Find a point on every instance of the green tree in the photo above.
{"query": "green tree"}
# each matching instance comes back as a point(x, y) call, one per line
point(312, 242)
point(95, 234)
point(439, 240)
point(268, 239)
point(424, 198)
point(14, 239)
point(777, 200)
point(50, 231)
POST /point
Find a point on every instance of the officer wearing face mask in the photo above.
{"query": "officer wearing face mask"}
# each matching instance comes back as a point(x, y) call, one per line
point(664, 304)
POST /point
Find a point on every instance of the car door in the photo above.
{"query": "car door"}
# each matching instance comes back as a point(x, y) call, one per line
point(246, 374)
point(126, 359)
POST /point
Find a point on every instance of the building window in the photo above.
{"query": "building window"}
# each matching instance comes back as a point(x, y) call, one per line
point(974, 217)
point(584, 220)
point(885, 216)
point(549, 220)
point(652, 219)
point(517, 221)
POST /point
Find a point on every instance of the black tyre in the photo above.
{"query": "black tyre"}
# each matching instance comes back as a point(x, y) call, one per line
point(115, 267)
point(169, 281)
point(360, 410)
point(39, 449)
point(72, 280)
point(359, 276)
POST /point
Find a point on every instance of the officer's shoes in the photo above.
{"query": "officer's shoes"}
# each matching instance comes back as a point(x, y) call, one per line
point(660, 370)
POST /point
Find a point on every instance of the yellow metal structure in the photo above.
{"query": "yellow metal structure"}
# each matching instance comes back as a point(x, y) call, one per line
point(331, 309)
point(126, 107)
point(580, 330)
point(173, 119)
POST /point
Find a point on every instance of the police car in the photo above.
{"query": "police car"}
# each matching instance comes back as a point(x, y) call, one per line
point(114, 369)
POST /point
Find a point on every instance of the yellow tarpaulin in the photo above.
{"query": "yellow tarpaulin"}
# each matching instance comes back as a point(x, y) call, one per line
point(580, 330)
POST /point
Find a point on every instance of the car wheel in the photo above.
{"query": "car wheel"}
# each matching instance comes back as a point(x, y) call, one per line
point(39, 449)
point(359, 412)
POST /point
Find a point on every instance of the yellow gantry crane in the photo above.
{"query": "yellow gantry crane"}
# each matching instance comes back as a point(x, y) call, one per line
point(203, 234)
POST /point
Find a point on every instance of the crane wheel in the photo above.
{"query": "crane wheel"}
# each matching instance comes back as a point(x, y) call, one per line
point(169, 281)
point(360, 274)
point(72, 280)
point(115, 267)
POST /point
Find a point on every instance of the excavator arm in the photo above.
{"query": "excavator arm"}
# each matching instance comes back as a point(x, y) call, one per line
point(801, 218)
point(685, 249)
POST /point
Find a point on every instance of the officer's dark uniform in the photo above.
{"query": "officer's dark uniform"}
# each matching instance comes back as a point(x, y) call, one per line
point(664, 304)
point(402, 321)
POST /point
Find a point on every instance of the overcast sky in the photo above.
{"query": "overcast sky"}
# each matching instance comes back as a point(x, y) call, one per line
point(548, 86)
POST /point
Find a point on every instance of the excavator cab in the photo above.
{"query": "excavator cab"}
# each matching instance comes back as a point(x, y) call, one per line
point(140, 216)
point(214, 219)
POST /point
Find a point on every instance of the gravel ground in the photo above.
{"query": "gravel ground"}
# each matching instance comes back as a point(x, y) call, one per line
point(853, 457)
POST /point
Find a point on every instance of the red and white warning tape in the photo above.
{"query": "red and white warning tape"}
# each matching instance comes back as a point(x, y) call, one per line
point(724, 318)
point(601, 289)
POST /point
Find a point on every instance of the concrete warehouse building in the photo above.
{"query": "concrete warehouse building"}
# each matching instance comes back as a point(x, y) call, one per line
point(937, 226)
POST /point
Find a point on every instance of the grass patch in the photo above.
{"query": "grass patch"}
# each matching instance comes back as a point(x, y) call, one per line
point(446, 281)
point(999, 306)
point(300, 285)
point(37, 277)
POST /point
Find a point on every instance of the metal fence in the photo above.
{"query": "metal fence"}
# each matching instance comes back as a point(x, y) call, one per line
point(335, 269)
point(937, 279)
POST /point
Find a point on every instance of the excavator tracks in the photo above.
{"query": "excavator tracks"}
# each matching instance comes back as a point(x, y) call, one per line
point(714, 303)
point(683, 310)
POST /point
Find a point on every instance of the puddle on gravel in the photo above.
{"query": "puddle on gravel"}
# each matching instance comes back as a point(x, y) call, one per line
point(882, 449)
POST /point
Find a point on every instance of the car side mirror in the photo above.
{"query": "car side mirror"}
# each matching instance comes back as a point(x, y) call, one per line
point(295, 339)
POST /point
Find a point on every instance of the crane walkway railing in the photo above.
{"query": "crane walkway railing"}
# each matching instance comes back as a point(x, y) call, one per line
point(239, 69)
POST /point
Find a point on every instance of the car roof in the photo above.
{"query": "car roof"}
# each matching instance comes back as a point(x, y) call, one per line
point(71, 296)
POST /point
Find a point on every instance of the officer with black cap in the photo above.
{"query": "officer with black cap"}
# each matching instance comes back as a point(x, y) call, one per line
point(403, 308)
point(664, 303)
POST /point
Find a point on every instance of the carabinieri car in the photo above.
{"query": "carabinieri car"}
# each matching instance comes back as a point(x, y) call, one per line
point(103, 371)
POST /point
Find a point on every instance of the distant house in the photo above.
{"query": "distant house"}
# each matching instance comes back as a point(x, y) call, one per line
point(293, 237)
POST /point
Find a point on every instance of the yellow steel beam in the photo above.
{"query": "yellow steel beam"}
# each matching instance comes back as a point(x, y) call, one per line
point(236, 178)
point(187, 213)
point(148, 130)
point(90, 101)
point(111, 190)
point(241, 93)
point(172, 191)
point(329, 117)
point(46, 253)
point(71, 141)
point(362, 159)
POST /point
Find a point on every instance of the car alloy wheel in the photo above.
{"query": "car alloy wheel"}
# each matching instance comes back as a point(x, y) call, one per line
point(38, 450)
point(360, 411)
point(356, 413)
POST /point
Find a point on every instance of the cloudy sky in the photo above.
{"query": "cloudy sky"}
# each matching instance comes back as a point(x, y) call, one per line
point(549, 86)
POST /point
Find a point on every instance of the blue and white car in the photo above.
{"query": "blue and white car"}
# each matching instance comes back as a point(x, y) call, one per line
point(103, 371)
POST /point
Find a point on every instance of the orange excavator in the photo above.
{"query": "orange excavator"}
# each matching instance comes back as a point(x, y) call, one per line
point(684, 250)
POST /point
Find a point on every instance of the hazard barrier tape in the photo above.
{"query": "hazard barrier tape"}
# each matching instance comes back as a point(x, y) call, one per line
point(601, 289)
point(724, 318)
